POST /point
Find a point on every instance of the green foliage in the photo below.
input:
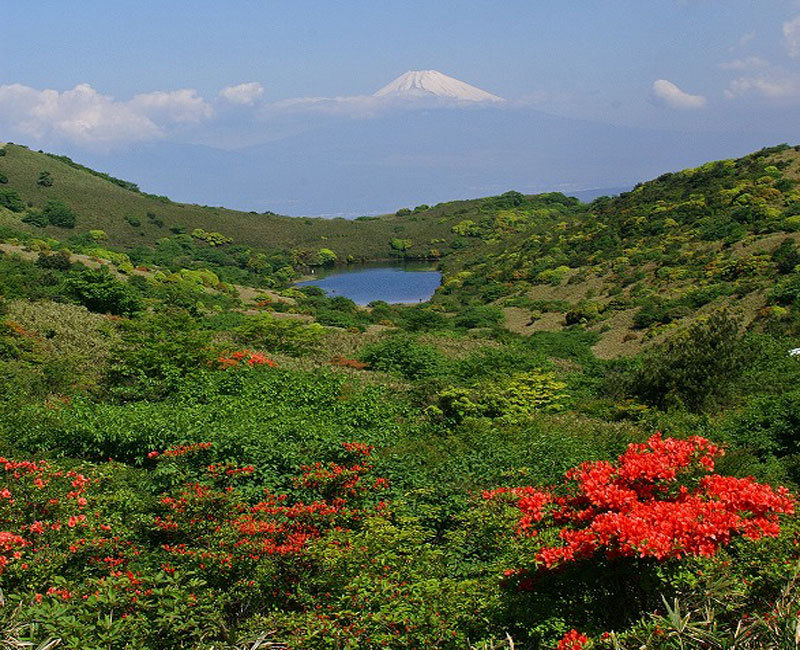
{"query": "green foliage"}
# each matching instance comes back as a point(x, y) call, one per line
point(404, 355)
point(60, 260)
point(99, 291)
point(58, 214)
point(517, 396)
point(479, 316)
point(156, 353)
point(287, 335)
point(211, 238)
point(10, 199)
point(400, 245)
point(36, 218)
point(45, 179)
point(696, 367)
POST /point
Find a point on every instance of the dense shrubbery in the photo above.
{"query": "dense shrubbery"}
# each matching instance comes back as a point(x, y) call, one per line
point(403, 355)
point(268, 486)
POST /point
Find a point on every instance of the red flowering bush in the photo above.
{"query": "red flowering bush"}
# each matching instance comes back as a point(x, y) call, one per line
point(255, 548)
point(245, 358)
point(660, 499)
point(46, 522)
point(572, 640)
point(344, 362)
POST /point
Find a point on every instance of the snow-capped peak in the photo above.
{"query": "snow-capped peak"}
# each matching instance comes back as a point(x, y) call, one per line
point(427, 83)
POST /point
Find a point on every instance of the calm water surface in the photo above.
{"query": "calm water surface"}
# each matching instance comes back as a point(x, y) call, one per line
point(364, 283)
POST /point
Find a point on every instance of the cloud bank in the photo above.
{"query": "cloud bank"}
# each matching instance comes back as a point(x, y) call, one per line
point(89, 118)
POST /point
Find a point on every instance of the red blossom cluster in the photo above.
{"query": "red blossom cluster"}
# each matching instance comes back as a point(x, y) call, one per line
point(572, 640)
point(45, 511)
point(218, 531)
point(246, 358)
point(659, 499)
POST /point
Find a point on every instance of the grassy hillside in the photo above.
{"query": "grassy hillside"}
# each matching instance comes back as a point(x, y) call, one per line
point(628, 268)
point(132, 219)
point(633, 266)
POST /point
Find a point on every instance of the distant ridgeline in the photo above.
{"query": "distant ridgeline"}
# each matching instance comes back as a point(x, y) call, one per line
point(719, 233)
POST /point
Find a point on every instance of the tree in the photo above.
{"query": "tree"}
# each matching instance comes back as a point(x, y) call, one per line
point(58, 214)
point(10, 199)
point(401, 245)
point(694, 368)
point(325, 257)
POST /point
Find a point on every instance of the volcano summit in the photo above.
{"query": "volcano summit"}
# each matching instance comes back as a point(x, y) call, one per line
point(432, 83)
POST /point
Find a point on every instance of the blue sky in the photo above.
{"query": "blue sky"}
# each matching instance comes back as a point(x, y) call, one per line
point(122, 73)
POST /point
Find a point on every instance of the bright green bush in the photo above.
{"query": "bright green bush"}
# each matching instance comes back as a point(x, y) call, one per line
point(288, 335)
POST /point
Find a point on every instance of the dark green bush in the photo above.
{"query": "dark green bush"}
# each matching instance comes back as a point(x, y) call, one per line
point(98, 290)
point(58, 214)
point(10, 199)
point(479, 316)
point(404, 355)
point(60, 260)
point(695, 368)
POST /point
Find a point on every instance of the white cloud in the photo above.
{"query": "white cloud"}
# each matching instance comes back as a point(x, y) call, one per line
point(87, 117)
point(791, 36)
point(668, 93)
point(177, 106)
point(776, 86)
point(245, 94)
point(747, 63)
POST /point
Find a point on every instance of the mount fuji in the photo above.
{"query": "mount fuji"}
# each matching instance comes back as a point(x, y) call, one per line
point(432, 83)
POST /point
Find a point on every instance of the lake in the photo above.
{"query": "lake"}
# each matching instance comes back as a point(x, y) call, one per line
point(411, 282)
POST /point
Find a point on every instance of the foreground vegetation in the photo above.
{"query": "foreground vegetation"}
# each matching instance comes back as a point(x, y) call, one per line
point(196, 455)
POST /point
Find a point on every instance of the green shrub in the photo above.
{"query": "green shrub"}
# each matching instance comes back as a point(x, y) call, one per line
point(287, 335)
point(156, 352)
point(479, 316)
point(36, 218)
point(60, 260)
point(58, 214)
point(695, 368)
point(404, 355)
point(99, 291)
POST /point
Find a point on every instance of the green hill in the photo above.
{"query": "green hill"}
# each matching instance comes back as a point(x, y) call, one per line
point(632, 266)
point(132, 218)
